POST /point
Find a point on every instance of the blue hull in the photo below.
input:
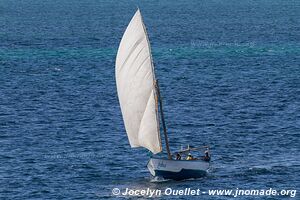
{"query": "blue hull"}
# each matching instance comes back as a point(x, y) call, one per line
point(183, 174)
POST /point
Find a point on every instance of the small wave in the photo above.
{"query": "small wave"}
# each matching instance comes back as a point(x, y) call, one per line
point(260, 167)
point(57, 69)
point(259, 170)
point(267, 169)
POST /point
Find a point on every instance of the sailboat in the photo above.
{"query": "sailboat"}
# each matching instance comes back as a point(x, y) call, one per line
point(142, 109)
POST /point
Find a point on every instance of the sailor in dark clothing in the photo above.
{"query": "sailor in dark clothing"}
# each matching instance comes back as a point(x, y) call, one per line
point(206, 156)
point(178, 156)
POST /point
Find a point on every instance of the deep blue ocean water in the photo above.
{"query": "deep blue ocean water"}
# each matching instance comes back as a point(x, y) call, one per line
point(229, 74)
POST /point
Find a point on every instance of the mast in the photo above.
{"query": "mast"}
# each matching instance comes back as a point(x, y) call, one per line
point(163, 120)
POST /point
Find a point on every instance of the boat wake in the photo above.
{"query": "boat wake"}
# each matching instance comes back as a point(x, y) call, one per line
point(158, 179)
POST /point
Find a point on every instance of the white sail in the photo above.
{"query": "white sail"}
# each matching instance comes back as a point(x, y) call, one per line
point(135, 85)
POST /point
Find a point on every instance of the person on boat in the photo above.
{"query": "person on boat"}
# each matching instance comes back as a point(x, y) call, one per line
point(178, 156)
point(189, 157)
point(206, 156)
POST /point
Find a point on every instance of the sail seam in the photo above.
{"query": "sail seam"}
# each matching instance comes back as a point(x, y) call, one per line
point(133, 48)
point(142, 64)
point(133, 81)
point(144, 111)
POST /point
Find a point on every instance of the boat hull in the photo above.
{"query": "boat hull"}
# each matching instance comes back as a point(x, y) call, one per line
point(177, 169)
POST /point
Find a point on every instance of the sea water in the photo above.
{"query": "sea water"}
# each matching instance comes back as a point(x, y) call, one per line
point(229, 76)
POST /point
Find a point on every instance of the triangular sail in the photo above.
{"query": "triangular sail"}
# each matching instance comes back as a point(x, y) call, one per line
point(135, 84)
